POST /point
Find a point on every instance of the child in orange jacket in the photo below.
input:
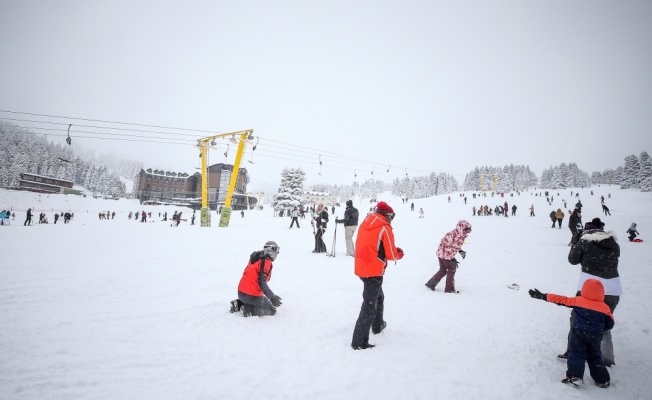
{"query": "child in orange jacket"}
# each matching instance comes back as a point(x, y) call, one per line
point(592, 318)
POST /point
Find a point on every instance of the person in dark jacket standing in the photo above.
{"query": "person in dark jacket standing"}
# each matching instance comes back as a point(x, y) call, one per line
point(594, 318)
point(597, 252)
point(553, 217)
point(374, 246)
point(28, 220)
point(255, 298)
point(320, 220)
point(514, 210)
point(575, 224)
point(350, 222)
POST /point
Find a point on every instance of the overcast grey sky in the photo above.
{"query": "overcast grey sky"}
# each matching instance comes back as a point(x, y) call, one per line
point(420, 86)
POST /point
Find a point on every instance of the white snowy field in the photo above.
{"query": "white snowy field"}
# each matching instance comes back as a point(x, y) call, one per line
point(120, 309)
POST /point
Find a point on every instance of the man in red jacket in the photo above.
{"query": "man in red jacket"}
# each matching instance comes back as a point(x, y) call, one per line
point(374, 246)
point(254, 296)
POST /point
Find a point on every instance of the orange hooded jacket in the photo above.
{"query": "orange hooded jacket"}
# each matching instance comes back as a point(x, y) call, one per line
point(374, 246)
point(592, 298)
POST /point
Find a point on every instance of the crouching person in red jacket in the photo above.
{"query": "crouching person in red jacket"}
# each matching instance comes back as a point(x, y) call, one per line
point(592, 318)
point(254, 296)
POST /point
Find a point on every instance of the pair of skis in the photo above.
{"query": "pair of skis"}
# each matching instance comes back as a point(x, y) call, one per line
point(332, 253)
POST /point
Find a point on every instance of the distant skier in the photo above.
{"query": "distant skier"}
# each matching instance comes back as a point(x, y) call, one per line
point(28, 220)
point(295, 217)
point(632, 232)
point(255, 298)
point(420, 212)
point(592, 319)
point(532, 210)
point(605, 209)
point(514, 210)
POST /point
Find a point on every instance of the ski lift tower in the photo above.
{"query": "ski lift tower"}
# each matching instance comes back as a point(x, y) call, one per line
point(240, 138)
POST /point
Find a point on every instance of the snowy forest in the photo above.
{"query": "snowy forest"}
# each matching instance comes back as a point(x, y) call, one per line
point(635, 174)
point(26, 152)
point(290, 191)
point(564, 176)
point(500, 179)
point(424, 186)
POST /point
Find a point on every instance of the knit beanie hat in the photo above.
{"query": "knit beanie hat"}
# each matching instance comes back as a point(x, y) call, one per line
point(384, 207)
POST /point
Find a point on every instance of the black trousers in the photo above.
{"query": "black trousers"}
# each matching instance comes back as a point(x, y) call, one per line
point(371, 312)
point(320, 246)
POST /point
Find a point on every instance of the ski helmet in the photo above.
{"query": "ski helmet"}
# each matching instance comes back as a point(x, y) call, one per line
point(271, 249)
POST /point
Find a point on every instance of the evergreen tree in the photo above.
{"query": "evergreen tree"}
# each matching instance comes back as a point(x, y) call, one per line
point(290, 191)
point(645, 173)
point(629, 178)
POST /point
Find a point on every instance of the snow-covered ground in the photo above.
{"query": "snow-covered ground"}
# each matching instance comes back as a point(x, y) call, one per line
point(119, 309)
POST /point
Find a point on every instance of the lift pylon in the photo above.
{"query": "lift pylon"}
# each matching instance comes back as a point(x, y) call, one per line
point(239, 137)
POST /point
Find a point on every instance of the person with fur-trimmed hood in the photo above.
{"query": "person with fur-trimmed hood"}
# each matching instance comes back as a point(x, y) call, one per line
point(374, 247)
point(597, 252)
point(255, 298)
point(450, 245)
point(592, 320)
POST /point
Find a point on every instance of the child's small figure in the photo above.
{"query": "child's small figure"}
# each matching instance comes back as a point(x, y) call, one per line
point(632, 232)
point(591, 318)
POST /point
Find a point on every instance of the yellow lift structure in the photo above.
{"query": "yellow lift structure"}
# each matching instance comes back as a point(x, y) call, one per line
point(240, 138)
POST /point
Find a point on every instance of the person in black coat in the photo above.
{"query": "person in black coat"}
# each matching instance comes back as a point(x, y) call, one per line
point(320, 219)
point(575, 224)
point(598, 252)
point(350, 222)
point(28, 220)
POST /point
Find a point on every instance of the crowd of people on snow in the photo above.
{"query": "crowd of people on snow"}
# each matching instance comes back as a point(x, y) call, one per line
point(591, 246)
point(596, 250)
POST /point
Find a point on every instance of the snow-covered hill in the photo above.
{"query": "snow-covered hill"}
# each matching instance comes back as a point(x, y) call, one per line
point(118, 309)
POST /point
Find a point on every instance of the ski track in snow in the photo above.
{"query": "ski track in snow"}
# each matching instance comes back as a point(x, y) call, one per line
point(127, 310)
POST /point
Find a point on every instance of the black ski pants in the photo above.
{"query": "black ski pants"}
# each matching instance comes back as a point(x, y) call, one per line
point(371, 312)
point(260, 305)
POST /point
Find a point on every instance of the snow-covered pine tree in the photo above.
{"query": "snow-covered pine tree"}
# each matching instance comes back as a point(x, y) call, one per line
point(290, 191)
point(645, 173)
point(629, 178)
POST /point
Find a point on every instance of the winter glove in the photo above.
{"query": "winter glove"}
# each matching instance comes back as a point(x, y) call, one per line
point(276, 301)
point(536, 294)
point(455, 263)
point(463, 254)
point(400, 253)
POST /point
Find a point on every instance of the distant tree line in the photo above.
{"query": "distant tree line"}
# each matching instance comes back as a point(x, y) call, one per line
point(424, 186)
point(635, 174)
point(26, 152)
point(506, 179)
point(564, 176)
